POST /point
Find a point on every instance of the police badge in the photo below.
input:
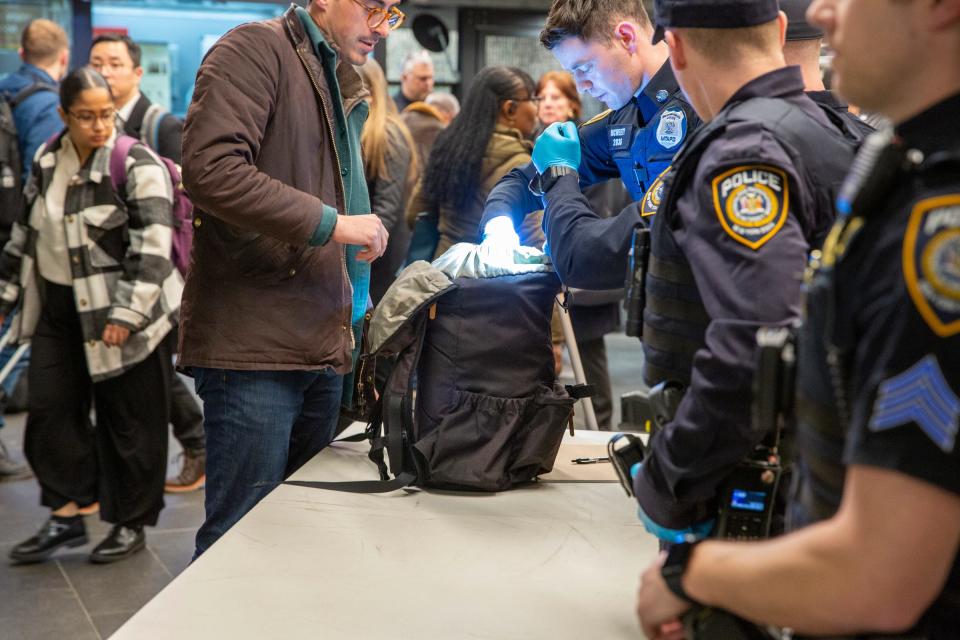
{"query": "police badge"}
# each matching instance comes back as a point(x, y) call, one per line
point(751, 203)
point(931, 262)
point(672, 128)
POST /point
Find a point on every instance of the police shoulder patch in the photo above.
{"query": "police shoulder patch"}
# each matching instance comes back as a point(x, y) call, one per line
point(751, 202)
point(597, 118)
point(931, 262)
point(654, 196)
point(922, 396)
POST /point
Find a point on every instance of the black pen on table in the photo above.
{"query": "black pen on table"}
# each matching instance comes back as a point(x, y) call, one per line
point(589, 460)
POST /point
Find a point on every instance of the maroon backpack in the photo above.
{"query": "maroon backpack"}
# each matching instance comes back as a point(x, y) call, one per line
point(182, 207)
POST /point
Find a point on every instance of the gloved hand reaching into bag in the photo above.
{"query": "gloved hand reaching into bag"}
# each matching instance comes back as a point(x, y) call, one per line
point(558, 145)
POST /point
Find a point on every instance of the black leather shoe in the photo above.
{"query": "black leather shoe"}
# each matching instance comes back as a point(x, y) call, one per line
point(52, 535)
point(122, 543)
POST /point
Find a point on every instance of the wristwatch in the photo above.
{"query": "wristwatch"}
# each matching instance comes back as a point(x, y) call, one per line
point(674, 566)
point(543, 182)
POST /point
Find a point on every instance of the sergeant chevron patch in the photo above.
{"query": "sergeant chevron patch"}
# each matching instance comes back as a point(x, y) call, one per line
point(922, 396)
point(931, 262)
point(751, 203)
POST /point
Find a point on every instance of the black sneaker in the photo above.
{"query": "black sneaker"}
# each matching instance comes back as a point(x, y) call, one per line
point(8, 466)
point(55, 533)
point(122, 543)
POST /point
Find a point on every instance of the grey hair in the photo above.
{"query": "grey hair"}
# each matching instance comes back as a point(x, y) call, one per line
point(446, 102)
point(417, 57)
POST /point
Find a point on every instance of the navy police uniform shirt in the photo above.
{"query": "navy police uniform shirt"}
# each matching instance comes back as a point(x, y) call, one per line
point(636, 143)
point(745, 224)
point(897, 323)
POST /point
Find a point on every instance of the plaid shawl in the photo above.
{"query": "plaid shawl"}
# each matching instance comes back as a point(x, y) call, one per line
point(119, 250)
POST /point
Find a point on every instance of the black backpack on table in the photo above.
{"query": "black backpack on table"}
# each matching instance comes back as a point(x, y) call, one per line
point(472, 401)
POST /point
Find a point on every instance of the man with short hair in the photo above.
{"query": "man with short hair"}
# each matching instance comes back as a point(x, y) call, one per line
point(878, 474)
point(802, 48)
point(45, 52)
point(33, 94)
point(273, 309)
point(117, 58)
point(606, 46)
point(416, 80)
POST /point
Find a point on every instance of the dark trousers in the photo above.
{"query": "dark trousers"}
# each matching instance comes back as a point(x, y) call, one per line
point(593, 356)
point(122, 461)
point(185, 413)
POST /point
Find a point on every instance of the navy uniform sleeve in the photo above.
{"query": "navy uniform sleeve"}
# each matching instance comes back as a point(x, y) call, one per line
point(588, 252)
point(512, 197)
point(906, 367)
point(741, 225)
point(596, 163)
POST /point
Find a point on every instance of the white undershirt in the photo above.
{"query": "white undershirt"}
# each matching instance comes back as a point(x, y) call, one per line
point(53, 256)
point(125, 111)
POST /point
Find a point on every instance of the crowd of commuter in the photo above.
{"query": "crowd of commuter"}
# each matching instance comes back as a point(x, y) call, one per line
point(312, 187)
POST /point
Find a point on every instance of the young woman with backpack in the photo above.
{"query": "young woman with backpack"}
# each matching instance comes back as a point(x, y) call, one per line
point(89, 265)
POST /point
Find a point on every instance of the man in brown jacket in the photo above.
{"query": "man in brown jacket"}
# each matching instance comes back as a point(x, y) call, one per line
point(284, 237)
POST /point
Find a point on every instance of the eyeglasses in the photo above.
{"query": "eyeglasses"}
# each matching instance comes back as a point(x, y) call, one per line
point(377, 16)
point(87, 119)
point(113, 66)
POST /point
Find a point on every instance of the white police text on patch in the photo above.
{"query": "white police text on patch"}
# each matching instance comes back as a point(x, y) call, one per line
point(939, 218)
point(751, 176)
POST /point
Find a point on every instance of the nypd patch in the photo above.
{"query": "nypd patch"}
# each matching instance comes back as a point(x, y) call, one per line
point(672, 128)
point(931, 262)
point(751, 203)
point(920, 395)
point(654, 196)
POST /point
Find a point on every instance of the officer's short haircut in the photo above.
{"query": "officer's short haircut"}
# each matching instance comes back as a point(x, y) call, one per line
point(132, 47)
point(42, 41)
point(589, 19)
point(730, 45)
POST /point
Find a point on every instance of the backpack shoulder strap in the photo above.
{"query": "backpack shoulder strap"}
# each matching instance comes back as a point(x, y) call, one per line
point(150, 129)
point(26, 92)
point(118, 160)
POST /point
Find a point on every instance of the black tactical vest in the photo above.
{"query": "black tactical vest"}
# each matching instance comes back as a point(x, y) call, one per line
point(674, 319)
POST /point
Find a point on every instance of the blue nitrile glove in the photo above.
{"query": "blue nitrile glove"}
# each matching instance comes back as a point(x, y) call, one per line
point(695, 532)
point(558, 145)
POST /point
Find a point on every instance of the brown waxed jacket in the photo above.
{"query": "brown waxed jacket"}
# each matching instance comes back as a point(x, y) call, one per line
point(259, 162)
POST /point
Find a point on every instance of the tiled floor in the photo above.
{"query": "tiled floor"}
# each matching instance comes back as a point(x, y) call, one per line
point(69, 598)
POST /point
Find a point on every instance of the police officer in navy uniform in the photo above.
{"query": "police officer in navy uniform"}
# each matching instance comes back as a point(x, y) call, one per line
point(606, 45)
point(746, 200)
point(878, 398)
point(802, 48)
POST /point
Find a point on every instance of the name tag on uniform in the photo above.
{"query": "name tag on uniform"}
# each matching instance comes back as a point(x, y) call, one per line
point(619, 137)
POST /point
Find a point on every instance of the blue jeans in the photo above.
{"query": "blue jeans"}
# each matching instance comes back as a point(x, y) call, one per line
point(261, 426)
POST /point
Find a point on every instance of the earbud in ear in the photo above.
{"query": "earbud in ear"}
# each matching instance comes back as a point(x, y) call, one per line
point(512, 108)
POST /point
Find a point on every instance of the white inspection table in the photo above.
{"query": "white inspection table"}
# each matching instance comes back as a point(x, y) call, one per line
point(552, 560)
